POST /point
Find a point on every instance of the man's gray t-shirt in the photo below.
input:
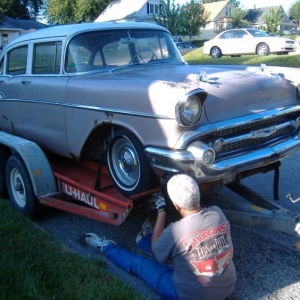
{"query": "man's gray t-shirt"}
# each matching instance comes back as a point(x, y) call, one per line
point(200, 248)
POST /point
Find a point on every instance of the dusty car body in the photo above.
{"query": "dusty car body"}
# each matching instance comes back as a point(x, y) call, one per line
point(122, 93)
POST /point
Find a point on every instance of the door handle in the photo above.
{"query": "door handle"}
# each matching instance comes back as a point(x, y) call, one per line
point(25, 81)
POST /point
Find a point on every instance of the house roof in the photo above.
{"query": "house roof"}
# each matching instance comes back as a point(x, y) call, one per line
point(214, 8)
point(255, 15)
point(120, 10)
point(10, 23)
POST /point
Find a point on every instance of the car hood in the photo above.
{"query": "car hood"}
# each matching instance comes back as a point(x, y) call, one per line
point(232, 91)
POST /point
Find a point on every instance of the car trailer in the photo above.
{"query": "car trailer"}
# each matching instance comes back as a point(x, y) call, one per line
point(35, 178)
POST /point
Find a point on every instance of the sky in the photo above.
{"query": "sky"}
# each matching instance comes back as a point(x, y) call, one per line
point(286, 4)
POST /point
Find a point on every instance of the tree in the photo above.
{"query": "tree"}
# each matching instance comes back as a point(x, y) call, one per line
point(272, 18)
point(21, 9)
point(294, 12)
point(237, 16)
point(74, 11)
point(192, 17)
point(169, 16)
point(235, 3)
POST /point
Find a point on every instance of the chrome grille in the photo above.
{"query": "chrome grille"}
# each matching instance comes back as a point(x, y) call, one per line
point(247, 128)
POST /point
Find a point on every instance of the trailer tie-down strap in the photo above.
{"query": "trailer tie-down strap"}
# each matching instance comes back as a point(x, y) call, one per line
point(99, 170)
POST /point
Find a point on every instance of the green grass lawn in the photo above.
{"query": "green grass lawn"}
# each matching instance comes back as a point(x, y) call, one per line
point(35, 266)
point(196, 57)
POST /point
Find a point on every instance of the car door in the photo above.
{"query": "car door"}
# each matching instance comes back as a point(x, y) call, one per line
point(43, 97)
point(12, 69)
point(227, 42)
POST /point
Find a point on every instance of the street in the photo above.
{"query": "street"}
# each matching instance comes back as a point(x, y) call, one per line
point(267, 262)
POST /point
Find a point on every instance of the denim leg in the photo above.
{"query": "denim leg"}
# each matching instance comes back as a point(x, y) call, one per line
point(158, 276)
point(145, 243)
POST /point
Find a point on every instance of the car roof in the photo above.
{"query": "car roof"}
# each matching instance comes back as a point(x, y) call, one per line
point(69, 30)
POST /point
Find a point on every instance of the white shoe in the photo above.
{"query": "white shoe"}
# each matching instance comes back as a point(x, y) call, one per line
point(94, 240)
point(147, 228)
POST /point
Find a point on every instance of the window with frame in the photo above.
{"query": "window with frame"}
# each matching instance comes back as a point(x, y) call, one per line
point(17, 61)
point(47, 58)
point(153, 9)
point(228, 11)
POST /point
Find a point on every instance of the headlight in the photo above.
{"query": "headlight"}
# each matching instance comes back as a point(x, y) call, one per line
point(189, 111)
point(298, 91)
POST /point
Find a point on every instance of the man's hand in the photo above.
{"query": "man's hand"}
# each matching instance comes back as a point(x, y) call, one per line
point(161, 204)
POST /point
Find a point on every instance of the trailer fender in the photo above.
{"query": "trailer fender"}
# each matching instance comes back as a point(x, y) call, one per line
point(37, 164)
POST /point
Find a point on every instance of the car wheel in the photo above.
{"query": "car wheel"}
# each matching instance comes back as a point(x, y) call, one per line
point(19, 186)
point(215, 52)
point(3, 159)
point(263, 49)
point(129, 166)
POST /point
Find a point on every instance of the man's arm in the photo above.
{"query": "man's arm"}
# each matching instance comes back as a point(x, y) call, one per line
point(158, 227)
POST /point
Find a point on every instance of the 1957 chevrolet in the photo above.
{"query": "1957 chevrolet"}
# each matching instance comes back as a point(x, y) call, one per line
point(123, 93)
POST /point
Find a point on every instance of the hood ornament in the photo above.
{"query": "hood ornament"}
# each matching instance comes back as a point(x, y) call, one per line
point(204, 78)
point(264, 68)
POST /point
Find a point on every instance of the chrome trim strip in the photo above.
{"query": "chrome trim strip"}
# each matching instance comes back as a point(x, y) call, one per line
point(189, 136)
point(98, 108)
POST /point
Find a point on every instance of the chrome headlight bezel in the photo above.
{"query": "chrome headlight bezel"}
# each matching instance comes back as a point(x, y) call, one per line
point(189, 111)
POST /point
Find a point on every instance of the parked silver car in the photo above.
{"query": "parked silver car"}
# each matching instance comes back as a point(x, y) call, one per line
point(237, 42)
point(123, 93)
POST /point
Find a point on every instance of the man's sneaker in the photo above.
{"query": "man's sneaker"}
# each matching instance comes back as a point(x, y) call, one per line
point(94, 240)
point(147, 228)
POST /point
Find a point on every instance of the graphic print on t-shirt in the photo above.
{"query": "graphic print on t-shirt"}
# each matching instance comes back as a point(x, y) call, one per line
point(209, 250)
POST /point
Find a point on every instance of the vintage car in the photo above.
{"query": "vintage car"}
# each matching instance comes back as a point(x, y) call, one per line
point(121, 93)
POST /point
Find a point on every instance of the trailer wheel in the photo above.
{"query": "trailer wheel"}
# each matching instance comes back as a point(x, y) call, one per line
point(19, 186)
point(129, 166)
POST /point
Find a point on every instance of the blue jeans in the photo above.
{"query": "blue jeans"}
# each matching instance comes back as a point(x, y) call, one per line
point(158, 276)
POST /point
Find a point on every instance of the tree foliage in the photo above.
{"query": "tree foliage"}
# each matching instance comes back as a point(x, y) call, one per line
point(235, 3)
point(294, 12)
point(192, 17)
point(169, 16)
point(273, 18)
point(238, 17)
point(21, 9)
point(75, 11)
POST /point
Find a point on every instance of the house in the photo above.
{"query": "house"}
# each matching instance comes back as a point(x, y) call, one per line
point(11, 28)
point(131, 11)
point(219, 18)
point(143, 10)
point(256, 15)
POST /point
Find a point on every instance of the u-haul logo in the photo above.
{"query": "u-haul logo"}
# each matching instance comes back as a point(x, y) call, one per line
point(77, 194)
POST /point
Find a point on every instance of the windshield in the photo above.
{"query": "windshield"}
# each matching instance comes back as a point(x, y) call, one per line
point(257, 33)
point(105, 50)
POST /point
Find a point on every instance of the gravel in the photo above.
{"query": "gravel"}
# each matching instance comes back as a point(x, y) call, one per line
point(267, 262)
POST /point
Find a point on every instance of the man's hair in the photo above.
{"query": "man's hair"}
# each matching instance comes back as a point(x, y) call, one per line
point(184, 191)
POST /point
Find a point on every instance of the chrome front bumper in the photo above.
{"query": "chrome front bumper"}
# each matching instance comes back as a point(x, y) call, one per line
point(167, 162)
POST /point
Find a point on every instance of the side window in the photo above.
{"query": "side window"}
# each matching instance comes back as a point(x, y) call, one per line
point(47, 58)
point(17, 61)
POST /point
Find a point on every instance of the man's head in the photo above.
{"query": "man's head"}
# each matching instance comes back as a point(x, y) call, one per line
point(184, 192)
